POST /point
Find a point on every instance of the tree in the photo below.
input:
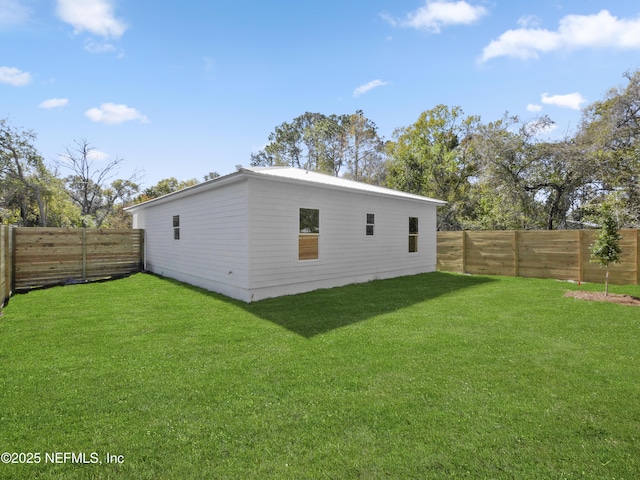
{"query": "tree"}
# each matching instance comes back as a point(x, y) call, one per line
point(433, 157)
point(365, 150)
point(311, 141)
point(165, 187)
point(562, 170)
point(606, 249)
point(327, 144)
point(502, 152)
point(526, 182)
point(612, 127)
point(88, 185)
point(23, 175)
point(60, 209)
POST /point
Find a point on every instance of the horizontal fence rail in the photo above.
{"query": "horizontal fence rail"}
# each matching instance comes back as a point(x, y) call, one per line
point(52, 256)
point(559, 254)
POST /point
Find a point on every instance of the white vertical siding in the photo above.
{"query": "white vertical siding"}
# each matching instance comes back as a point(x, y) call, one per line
point(212, 251)
point(346, 254)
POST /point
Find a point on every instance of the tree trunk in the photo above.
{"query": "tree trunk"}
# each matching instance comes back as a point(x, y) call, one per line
point(41, 207)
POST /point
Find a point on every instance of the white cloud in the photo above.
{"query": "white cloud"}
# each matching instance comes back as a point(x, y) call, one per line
point(534, 108)
point(13, 12)
point(570, 100)
point(436, 14)
point(93, 47)
point(93, 16)
point(97, 155)
point(529, 21)
point(14, 76)
point(113, 114)
point(601, 30)
point(521, 43)
point(92, 155)
point(54, 103)
point(362, 89)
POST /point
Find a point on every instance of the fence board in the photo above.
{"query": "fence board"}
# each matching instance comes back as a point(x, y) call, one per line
point(450, 251)
point(549, 254)
point(560, 254)
point(50, 256)
point(488, 252)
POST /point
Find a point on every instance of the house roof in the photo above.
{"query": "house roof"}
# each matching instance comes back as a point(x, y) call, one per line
point(289, 175)
point(301, 175)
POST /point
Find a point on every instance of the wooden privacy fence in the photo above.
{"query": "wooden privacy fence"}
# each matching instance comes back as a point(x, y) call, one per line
point(39, 257)
point(6, 264)
point(559, 254)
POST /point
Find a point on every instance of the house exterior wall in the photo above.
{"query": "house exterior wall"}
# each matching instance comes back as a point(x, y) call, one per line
point(346, 254)
point(239, 236)
point(213, 245)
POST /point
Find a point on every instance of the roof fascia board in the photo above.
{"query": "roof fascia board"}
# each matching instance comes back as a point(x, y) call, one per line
point(186, 192)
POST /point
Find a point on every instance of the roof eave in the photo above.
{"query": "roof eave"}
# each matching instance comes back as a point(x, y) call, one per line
point(244, 173)
point(185, 192)
point(387, 193)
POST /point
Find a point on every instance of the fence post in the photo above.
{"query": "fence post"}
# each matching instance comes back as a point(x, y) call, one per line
point(637, 256)
point(580, 255)
point(8, 265)
point(84, 254)
point(12, 246)
point(141, 234)
point(516, 259)
point(464, 251)
point(3, 264)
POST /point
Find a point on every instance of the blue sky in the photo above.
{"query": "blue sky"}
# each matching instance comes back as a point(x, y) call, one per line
point(180, 89)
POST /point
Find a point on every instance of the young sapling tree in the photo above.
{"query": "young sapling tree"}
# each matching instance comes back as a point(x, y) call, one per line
point(606, 249)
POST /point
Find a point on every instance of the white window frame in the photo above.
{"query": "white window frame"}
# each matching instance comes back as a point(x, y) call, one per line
point(367, 224)
point(309, 234)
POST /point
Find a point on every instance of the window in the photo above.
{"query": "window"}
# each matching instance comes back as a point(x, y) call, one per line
point(371, 220)
point(308, 234)
point(413, 234)
point(176, 227)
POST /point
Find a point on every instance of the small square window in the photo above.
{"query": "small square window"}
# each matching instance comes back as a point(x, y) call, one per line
point(309, 220)
point(413, 225)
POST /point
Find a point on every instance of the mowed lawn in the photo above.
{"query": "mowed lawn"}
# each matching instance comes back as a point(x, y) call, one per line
point(430, 376)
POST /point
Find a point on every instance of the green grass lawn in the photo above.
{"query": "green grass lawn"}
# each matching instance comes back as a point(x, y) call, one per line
point(430, 376)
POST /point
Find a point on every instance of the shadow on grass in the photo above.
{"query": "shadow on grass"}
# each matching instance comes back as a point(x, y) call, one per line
point(321, 311)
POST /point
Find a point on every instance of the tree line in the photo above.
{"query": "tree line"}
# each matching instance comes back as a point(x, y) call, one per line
point(503, 174)
point(34, 194)
point(79, 190)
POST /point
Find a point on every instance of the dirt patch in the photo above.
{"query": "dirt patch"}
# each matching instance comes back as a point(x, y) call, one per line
point(600, 297)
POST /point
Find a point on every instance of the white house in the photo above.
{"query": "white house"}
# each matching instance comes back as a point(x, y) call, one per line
point(265, 232)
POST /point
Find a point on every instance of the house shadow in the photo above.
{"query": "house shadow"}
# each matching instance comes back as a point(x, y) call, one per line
point(314, 313)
